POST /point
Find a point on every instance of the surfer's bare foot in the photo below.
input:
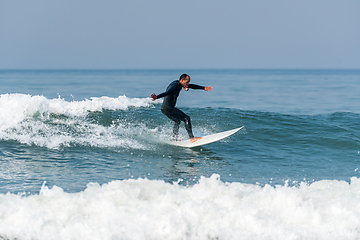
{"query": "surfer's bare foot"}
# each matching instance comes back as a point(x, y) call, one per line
point(194, 139)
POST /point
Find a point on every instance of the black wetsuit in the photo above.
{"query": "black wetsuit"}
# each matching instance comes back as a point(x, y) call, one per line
point(168, 107)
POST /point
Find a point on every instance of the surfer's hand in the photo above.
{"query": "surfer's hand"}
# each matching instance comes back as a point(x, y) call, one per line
point(153, 96)
point(209, 88)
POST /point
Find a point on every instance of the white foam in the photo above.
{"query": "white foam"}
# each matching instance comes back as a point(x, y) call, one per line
point(26, 119)
point(20, 106)
point(211, 209)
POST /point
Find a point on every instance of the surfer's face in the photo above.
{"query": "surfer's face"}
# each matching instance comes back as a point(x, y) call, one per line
point(185, 82)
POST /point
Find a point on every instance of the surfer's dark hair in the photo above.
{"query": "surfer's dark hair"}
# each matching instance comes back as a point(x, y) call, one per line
point(183, 76)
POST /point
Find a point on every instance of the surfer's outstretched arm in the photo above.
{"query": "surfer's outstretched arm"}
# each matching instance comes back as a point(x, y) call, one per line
point(170, 90)
point(194, 86)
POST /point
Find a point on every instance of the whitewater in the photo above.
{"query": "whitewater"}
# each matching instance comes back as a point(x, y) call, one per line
point(211, 209)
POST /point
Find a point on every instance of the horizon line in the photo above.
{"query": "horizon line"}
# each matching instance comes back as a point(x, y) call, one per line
point(166, 69)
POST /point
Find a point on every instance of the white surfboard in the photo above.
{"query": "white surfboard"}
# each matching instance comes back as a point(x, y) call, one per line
point(205, 139)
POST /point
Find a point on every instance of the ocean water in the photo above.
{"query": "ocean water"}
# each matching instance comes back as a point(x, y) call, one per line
point(84, 155)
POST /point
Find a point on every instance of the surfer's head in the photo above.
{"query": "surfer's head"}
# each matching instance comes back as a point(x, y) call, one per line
point(184, 76)
point(184, 80)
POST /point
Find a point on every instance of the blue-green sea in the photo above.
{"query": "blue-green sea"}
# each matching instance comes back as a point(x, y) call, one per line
point(84, 154)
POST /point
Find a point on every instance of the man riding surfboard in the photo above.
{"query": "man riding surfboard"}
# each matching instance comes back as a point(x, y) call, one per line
point(168, 107)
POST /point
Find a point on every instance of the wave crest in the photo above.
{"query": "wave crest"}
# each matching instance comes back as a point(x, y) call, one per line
point(56, 122)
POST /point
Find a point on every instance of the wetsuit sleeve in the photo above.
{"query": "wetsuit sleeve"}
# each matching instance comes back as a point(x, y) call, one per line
point(194, 86)
point(164, 94)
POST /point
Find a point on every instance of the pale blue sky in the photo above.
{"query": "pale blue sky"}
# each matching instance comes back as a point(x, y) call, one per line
point(184, 34)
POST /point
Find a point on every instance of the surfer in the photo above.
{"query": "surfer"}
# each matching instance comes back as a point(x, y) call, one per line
point(168, 107)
